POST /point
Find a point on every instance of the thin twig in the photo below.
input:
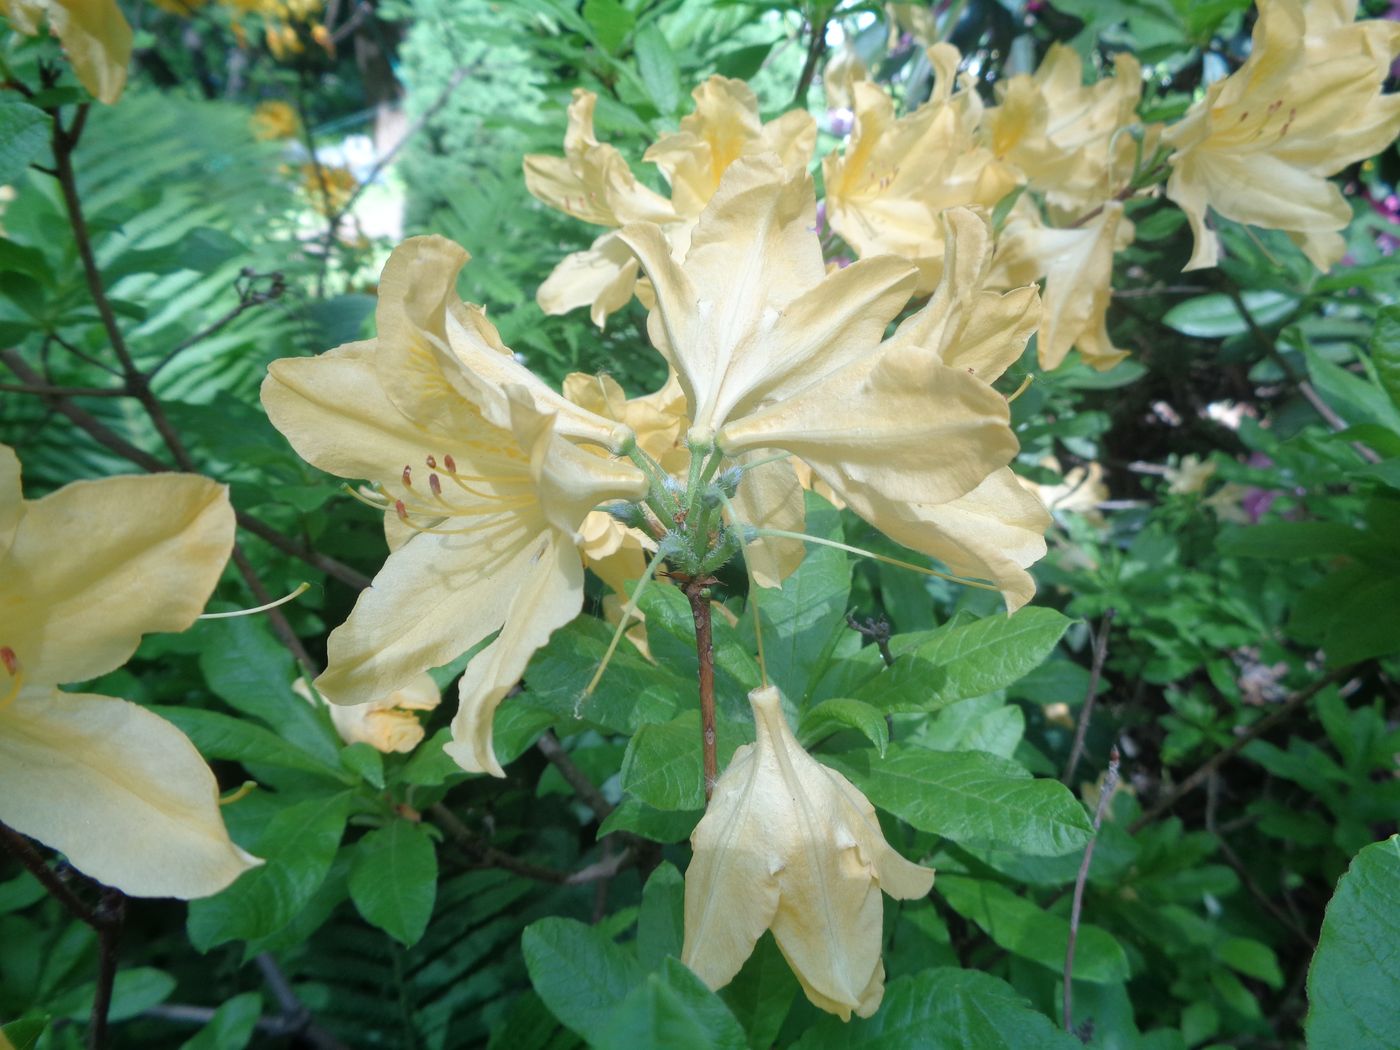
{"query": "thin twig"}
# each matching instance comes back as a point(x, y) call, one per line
point(697, 592)
point(1284, 710)
point(296, 1015)
point(483, 855)
point(104, 919)
point(1091, 694)
point(1110, 781)
point(248, 298)
point(576, 778)
point(816, 47)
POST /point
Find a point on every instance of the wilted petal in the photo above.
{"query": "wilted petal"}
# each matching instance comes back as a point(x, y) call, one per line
point(97, 564)
point(122, 793)
point(98, 41)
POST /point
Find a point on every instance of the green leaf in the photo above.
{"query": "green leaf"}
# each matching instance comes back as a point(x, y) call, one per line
point(365, 762)
point(831, 716)
point(1354, 975)
point(202, 249)
point(136, 990)
point(803, 620)
point(1292, 540)
point(1251, 958)
point(582, 976)
point(1216, 316)
point(1363, 624)
point(671, 638)
point(24, 132)
point(659, 825)
point(673, 1008)
point(971, 798)
point(1355, 399)
point(743, 62)
point(664, 765)
point(237, 740)
point(660, 73)
point(991, 653)
point(1385, 350)
point(232, 1025)
point(661, 920)
point(944, 1009)
point(297, 846)
point(761, 995)
point(610, 21)
point(1022, 928)
point(393, 880)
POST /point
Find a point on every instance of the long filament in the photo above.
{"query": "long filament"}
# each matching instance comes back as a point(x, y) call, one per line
point(878, 557)
point(261, 608)
point(628, 610)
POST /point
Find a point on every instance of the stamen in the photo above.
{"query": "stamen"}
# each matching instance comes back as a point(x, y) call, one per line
point(1025, 385)
point(407, 477)
point(628, 611)
point(877, 557)
point(449, 464)
point(401, 511)
point(15, 670)
point(357, 494)
point(261, 608)
point(239, 793)
point(754, 588)
point(435, 484)
point(432, 463)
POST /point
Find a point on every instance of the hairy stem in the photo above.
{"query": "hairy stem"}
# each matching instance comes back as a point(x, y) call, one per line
point(697, 591)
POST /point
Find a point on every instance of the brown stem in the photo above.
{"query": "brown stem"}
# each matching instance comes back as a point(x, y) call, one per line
point(111, 911)
point(816, 47)
point(1091, 695)
point(1110, 781)
point(114, 442)
point(295, 1013)
point(1258, 729)
point(576, 778)
point(697, 591)
point(484, 855)
point(105, 920)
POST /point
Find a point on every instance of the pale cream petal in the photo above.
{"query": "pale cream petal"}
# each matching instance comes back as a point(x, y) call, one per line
point(771, 497)
point(992, 534)
point(895, 427)
point(97, 564)
point(1189, 194)
point(731, 885)
point(337, 416)
point(24, 15)
point(547, 594)
point(11, 498)
point(434, 598)
point(122, 793)
point(98, 41)
point(601, 277)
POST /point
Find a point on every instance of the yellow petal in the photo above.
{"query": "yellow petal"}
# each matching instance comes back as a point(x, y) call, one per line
point(11, 498)
point(771, 497)
point(602, 278)
point(546, 592)
point(24, 16)
point(98, 42)
point(122, 793)
point(97, 564)
point(435, 598)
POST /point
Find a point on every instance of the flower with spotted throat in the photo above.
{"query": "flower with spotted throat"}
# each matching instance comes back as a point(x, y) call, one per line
point(119, 791)
point(1307, 102)
point(479, 470)
point(792, 846)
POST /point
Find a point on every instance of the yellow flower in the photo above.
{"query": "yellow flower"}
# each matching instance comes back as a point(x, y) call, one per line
point(1260, 146)
point(84, 572)
point(93, 32)
point(475, 465)
point(329, 186)
point(593, 182)
point(776, 355)
point(1077, 266)
point(1080, 491)
point(792, 846)
point(1190, 475)
point(886, 190)
point(387, 724)
point(276, 120)
point(1066, 138)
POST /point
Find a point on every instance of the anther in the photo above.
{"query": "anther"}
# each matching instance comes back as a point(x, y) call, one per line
point(9, 659)
point(401, 510)
point(449, 464)
point(16, 673)
point(432, 463)
point(407, 477)
point(435, 485)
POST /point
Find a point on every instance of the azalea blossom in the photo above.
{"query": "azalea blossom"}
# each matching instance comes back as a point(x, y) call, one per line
point(886, 190)
point(792, 846)
point(479, 470)
point(389, 724)
point(1067, 139)
point(84, 573)
point(94, 34)
point(774, 354)
point(1307, 102)
point(593, 182)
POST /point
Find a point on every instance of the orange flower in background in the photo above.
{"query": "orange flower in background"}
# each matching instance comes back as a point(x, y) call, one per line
point(274, 119)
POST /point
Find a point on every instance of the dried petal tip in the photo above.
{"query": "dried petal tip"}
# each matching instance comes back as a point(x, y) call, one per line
point(791, 845)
